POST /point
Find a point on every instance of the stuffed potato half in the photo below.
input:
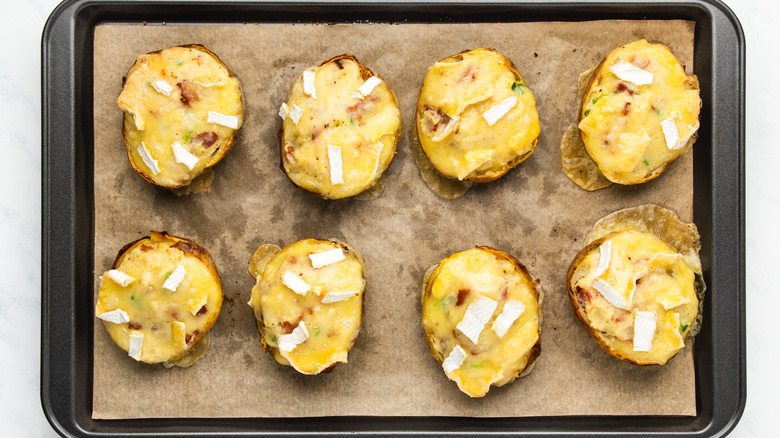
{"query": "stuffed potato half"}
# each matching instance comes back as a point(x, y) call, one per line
point(341, 125)
point(160, 298)
point(182, 107)
point(639, 113)
point(476, 118)
point(638, 293)
point(482, 320)
point(308, 302)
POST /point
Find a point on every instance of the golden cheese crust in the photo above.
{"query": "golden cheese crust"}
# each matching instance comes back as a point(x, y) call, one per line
point(169, 317)
point(509, 341)
point(339, 135)
point(308, 314)
point(630, 274)
point(182, 107)
point(640, 112)
point(476, 117)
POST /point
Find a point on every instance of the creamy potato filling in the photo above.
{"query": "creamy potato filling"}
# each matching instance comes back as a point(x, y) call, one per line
point(309, 301)
point(475, 115)
point(155, 323)
point(639, 112)
point(340, 129)
point(184, 106)
point(651, 281)
point(480, 313)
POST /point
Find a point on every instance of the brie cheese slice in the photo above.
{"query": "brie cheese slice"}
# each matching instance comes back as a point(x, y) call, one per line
point(183, 156)
point(150, 162)
point(222, 119)
point(454, 360)
point(477, 314)
point(308, 83)
point(499, 110)
point(325, 258)
point(295, 283)
point(610, 294)
point(333, 297)
point(336, 165)
point(287, 343)
point(136, 343)
point(295, 114)
point(117, 316)
point(119, 277)
point(630, 73)
point(605, 256)
point(512, 310)
point(369, 85)
point(174, 280)
point(163, 87)
point(644, 330)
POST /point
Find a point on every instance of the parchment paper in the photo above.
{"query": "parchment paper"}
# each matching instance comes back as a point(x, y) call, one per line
point(534, 213)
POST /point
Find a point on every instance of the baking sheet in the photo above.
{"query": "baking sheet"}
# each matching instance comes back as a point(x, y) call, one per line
point(534, 212)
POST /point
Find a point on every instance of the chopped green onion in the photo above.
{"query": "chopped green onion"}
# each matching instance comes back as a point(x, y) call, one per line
point(273, 338)
point(597, 98)
point(476, 365)
point(317, 332)
point(518, 87)
point(178, 62)
point(683, 327)
point(587, 111)
point(351, 122)
point(658, 112)
point(647, 163)
point(188, 137)
point(168, 274)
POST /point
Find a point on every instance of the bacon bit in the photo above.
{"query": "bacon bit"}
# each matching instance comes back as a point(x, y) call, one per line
point(437, 117)
point(584, 294)
point(623, 87)
point(361, 106)
point(287, 327)
point(207, 138)
point(504, 291)
point(146, 248)
point(619, 319)
point(626, 108)
point(338, 64)
point(470, 74)
point(202, 311)
point(187, 94)
point(197, 59)
point(132, 325)
point(462, 294)
point(288, 152)
point(640, 61)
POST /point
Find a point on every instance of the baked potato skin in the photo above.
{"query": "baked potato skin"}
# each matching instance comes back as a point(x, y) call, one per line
point(524, 147)
point(187, 248)
point(580, 268)
point(531, 354)
point(324, 189)
point(682, 94)
point(223, 143)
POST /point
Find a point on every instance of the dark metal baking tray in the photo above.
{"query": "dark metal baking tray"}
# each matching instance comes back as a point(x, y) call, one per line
point(68, 215)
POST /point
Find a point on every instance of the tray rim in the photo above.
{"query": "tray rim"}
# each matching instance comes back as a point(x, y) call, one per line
point(67, 207)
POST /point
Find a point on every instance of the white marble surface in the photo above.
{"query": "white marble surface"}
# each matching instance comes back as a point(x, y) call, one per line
point(20, 211)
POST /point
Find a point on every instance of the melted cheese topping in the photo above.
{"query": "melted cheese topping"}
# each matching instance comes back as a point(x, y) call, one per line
point(366, 129)
point(470, 277)
point(476, 119)
point(170, 322)
point(332, 325)
point(621, 123)
point(651, 278)
point(200, 84)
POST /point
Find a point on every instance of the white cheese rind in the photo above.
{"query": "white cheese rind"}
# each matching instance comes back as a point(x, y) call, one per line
point(222, 119)
point(295, 283)
point(336, 165)
point(334, 297)
point(512, 310)
point(308, 83)
point(326, 258)
point(295, 114)
point(117, 316)
point(136, 344)
point(283, 110)
point(174, 280)
point(119, 277)
point(357, 95)
point(183, 156)
point(644, 330)
point(610, 294)
point(499, 110)
point(477, 314)
point(454, 360)
point(672, 136)
point(630, 73)
point(369, 85)
point(163, 87)
point(287, 343)
point(605, 257)
point(150, 162)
